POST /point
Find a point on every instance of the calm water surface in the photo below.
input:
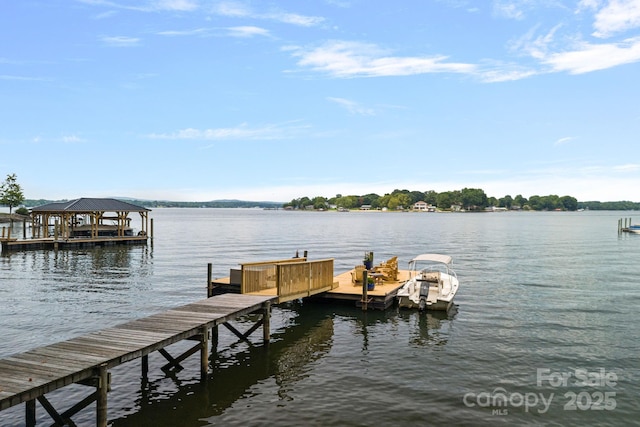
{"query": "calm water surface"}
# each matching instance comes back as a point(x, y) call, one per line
point(544, 331)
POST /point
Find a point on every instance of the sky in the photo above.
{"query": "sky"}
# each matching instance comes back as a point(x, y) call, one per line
point(198, 100)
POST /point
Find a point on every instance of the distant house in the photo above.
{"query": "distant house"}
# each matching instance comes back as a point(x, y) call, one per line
point(365, 207)
point(423, 207)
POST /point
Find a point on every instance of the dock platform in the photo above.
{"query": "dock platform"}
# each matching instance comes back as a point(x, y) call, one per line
point(381, 297)
point(27, 377)
point(51, 243)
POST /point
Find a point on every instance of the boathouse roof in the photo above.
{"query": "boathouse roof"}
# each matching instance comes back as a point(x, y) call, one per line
point(86, 204)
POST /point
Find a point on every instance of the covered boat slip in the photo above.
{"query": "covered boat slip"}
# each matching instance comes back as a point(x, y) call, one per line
point(27, 377)
point(82, 222)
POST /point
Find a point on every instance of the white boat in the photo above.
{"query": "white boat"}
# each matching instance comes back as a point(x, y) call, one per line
point(432, 284)
point(635, 228)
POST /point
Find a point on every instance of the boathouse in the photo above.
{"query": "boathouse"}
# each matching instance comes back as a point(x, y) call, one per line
point(83, 222)
point(87, 217)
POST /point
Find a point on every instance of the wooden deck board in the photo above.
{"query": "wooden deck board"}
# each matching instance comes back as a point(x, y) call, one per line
point(27, 375)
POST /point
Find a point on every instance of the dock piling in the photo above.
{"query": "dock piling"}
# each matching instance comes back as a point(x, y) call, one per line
point(365, 298)
point(209, 281)
point(101, 396)
point(266, 322)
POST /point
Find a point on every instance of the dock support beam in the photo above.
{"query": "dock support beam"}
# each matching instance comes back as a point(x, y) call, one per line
point(101, 396)
point(209, 278)
point(30, 415)
point(266, 322)
point(204, 353)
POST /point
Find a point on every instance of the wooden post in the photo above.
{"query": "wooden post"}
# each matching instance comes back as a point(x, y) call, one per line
point(55, 235)
point(101, 396)
point(151, 228)
point(204, 353)
point(364, 290)
point(266, 321)
point(30, 415)
point(209, 284)
point(214, 339)
point(24, 229)
point(145, 366)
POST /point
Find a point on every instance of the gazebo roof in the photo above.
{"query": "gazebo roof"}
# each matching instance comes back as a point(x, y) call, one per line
point(86, 204)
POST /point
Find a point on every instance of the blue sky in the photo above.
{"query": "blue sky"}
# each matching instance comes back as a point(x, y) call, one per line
point(274, 100)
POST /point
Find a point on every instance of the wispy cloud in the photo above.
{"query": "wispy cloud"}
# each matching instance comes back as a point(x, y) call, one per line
point(631, 167)
point(192, 32)
point(121, 41)
point(587, 57)
point(353, 107)
point(247, 31)
point(72, 139)
point(150, 6)
point(508, 9)
point(240, 32)
point(355, 59)
point(243, 131)
point(239, 10)
point(20, 78)
point(564, 140)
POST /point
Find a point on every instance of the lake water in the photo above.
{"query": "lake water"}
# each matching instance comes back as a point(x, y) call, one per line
point(544, 332)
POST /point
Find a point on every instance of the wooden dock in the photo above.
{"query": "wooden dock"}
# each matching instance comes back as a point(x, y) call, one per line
point(28, 377)
point(381, 297)
point(75, 243)
point(342, 288)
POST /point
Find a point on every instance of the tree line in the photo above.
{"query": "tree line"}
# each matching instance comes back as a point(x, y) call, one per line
point(469, 199)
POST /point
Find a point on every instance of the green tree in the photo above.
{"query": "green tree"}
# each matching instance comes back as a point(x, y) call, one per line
point(319, 202)
point(569, 203)
point(11, 192)
point(473, 198)
point(445, 199)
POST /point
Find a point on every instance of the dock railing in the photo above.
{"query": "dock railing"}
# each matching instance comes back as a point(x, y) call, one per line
point(291, 278)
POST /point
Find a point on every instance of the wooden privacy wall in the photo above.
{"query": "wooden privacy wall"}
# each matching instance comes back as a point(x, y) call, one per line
point(258, 276)
point(291, 278)
point(297, 280)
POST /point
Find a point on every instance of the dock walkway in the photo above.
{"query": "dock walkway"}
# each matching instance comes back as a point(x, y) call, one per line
point(27, 377)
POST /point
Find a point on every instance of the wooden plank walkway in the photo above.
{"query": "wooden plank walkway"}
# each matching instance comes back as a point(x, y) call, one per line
point(28, 376)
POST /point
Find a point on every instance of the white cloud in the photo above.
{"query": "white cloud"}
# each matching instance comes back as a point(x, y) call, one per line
point(243, 131)
point(247, 31)
point(353, 107)
point(151, 6)
point(72, 139)
point(617, 16)
point(181, 5)
point(508, 9)
point(564, 140)
point(194, 32)
point(587, 57)
point(353, 59)
point(237, 10)
point(121, 41)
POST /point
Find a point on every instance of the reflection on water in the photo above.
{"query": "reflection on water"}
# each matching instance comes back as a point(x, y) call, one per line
point(234, 371)
point(430, 328)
